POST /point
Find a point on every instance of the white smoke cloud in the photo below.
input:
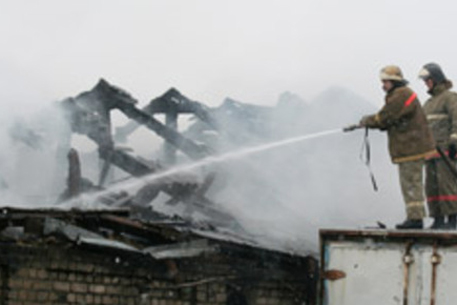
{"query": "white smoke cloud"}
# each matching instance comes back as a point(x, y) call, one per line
point(282, 196)
point(33, 149)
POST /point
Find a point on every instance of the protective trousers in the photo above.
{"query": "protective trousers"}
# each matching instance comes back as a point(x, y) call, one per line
point(412, 188)
point(441, 188)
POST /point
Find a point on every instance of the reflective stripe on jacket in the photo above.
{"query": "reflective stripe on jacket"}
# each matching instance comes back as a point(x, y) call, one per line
point(441, 112)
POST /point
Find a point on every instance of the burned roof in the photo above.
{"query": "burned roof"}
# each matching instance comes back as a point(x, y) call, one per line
point(118, 230)
point(134, 209)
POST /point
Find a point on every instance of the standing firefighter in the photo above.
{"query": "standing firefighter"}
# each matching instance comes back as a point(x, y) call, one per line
point(441, 112)
point(410, 140)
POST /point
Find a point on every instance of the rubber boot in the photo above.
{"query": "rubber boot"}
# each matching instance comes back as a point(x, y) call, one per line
point(438, 223)
point(410, 224)
point(452, 222)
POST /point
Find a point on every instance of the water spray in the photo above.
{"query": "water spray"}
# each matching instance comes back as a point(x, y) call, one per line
point(136, 182)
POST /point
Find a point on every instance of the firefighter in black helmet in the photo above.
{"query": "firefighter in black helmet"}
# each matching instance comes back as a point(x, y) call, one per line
point(441, 112)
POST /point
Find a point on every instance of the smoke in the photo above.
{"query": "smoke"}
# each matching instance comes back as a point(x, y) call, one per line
point(284, 196)
point(281, 196)
point(33, 147)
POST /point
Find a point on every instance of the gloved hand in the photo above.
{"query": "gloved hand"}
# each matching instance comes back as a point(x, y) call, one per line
point(452, 149)
point(364, 121)
point(351, 127)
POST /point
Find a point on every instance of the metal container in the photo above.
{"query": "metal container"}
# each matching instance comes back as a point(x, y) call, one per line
point(383, 267)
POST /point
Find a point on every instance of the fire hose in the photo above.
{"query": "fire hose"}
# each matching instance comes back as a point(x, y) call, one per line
point(365, 150)
point(447, 161)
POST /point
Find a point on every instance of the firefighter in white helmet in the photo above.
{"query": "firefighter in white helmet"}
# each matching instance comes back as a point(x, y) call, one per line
point(410, 140)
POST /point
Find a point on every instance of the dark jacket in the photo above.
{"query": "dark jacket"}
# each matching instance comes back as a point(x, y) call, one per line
point(441, 113)
point(403, 117)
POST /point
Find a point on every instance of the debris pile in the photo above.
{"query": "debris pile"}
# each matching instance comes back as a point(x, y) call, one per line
point(89, 114)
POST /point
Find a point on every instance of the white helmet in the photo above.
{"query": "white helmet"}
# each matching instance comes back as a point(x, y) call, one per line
point(392, 73)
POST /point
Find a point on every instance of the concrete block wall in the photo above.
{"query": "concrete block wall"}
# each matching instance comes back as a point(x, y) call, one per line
point(276, 293)
point(70, 276)
point(56, 274)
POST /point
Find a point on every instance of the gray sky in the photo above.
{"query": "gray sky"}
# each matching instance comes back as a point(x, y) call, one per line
point(248, 50)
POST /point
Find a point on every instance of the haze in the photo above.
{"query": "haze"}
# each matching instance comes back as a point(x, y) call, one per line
point(251, 51)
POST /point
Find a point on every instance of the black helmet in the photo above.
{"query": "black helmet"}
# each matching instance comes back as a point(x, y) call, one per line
point(432, 71)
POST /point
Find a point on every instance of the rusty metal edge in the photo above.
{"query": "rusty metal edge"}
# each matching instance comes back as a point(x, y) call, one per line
point(394, 234)
point(435, 260)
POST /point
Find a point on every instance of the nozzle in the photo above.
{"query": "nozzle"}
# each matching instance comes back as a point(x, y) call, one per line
point(352, 127)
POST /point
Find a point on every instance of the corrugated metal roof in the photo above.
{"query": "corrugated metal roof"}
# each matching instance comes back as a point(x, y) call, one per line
point(73, 233)
point(173, 235)
point(182, 250)
point(103, 242)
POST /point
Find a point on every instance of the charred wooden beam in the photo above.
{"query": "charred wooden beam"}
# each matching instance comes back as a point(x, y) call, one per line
point(90, 115)
point(126, 162)
point(74, 174)
point(171, 101)
point(187, 146)
point(171, 121)
point(174, 99)
point(115, 98)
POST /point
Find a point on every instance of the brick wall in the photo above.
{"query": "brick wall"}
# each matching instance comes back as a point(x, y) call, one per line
point(58, 274)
